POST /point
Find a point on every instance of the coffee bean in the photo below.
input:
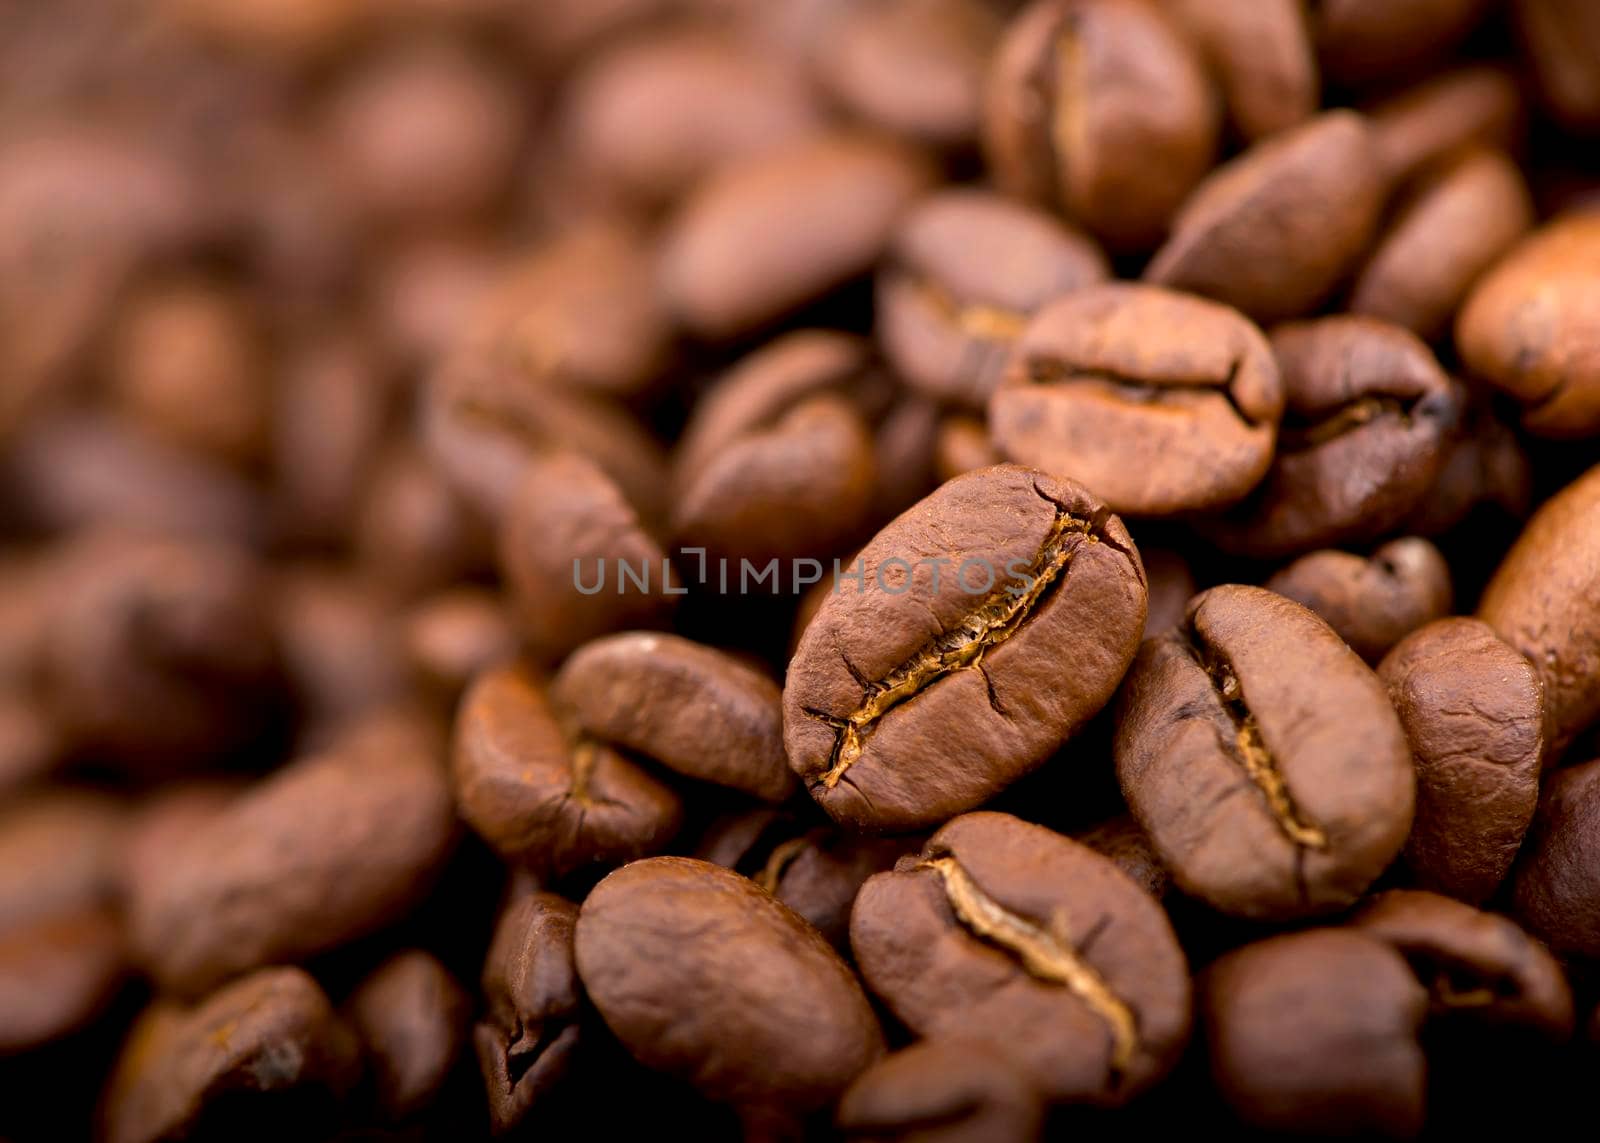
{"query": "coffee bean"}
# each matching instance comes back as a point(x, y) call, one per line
point(1260, 52)
point(1484, 464)
point(765, 235)
point(411, 1018)
point(1124, 841)
point(542, 795)
point(1273, 231)
point(943, 1091)
point(1359, 41)
point(529, 1033)
point(765, 1015)
point(1263, 758)
point(1160, 403)
point(1473, 710)
point(1056, 131)
point(962, 446)
point(1316, 1032)
point(965, 272)
point(912, 698)
point(338, 637)
point(905, 454)
point(1563, 41)
point(1476, 966)
point(1423, 124)
point(1544, 600)
point(1375, 602)
point(57, 975)
point(1369, 414)
point(59, 855)
point(456, 635)
point(1008, 931)
point(411, 528)
point(1555, 889)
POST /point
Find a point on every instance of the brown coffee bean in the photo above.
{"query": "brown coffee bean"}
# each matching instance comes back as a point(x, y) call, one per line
point(59, 854)
point(1124, 841)
point(1371, 603)
point(1172, 585)
point(530, 1032)
point(1369, 414)
point(765, 235)
point(965, 272)
point(693, 709)
point(1159, 402)
point(911, 67)
point(1556, 892)
point(1260, 52)
point(1484, 464)
point(160, 824)
point(1526, 327)
point(651, 116)
point(411, 1018)
point(943, 1091)
point(1273, 231)
point(1103, 108)
point(427, 290)
point(57, 976)
point(1316, 1032)
point(327, 850)
point(1544, 600)
point(1362, 40)
point(1455, 225)
point(1563, 39)
point(962, 446)
point(905, 454)
point(988, 707)
point(337, 635)
point(1473, 710)
point(1263, 758)
point(264, 1055)
point(1005, 930)
point(412, 531)
point(578, 560)
point(764, 1015)
point(1428, 121)
point(454, 636)
point(546, 800)
point(1476, 966)
point(31, 744)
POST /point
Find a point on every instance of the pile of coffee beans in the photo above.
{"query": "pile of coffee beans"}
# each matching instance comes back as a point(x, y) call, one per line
point(957, 571)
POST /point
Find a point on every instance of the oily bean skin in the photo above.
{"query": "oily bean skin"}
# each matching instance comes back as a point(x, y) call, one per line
point(411, 1018)
point(1476, 966)
point(322, 852)
point(1456, 224)
point(693, 709)
point(1369, 413)
point(1425, 123)
point(1159, 402)
point(1528, 327)
point(544, 798)
point(268, 1043)
point(1371, 603)
point(950, 1090)
point(1544, 600)
point(911, 699)
point(1316, 1032)
point(1555, 887)
point(529, 1034)
point(701, 974)
point(1101, 107)
point(1273, 231)
point(1006, 930)
point(965, 271)
point(1473, 711)
point(1263, 758)
point(1260, 53)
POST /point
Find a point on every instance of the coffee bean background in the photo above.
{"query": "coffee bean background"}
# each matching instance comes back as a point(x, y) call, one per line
point(956, 571)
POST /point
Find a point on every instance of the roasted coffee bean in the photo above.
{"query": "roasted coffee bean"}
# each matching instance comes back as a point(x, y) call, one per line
point(57, 976)
point(454, 636)
point(1473, 710)
point(1159, 402)
point(765, 235)
point(1362, 40)
point(1008, 931)
point(1484, 464)
point(542, 795)
point(691, 708)
point(764, 1015)
point(1428, 122)
point(1101, 107)
point(157, 828)
point(1260, 52)
point(1371, 603)
point(1058, 571)
point(412, 531)
point(905, 453)
point(1263, 758)
point(59, 855)
point(1124, 841)
point(1274, 230)
point(1316, 1033)
point(411, 1018)
point(1544, 600)
point(1475, 966)
point(943, 1091)
point(1556, 892)
point(964, 273)
point(327, 850)
point(1172, 585)
point(1454, 226)
point(338, 638)
point(911, 67)
point(1563, 39)
point(1369, 414)
point(962, 446)
point(263, 1056)
point(428, 289)
point(529, 1034)
point(1525, 328)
